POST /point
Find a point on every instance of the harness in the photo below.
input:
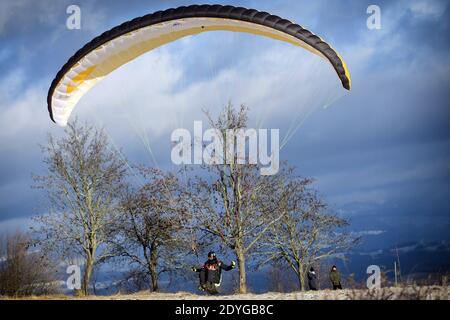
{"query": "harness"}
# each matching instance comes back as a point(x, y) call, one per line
point(215, 267)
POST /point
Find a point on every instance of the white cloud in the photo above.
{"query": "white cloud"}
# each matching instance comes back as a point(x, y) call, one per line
point(369, 232)
point(427, 8)
point(21, 110)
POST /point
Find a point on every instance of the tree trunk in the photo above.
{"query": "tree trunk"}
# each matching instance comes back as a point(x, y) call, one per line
point(153, 268)
point(87, 275)
point(301, 278)
point(242, 273)
point(154, 278)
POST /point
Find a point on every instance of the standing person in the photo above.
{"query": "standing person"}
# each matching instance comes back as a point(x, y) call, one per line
point(335, 278)
point(312, 279)
point(211, 273)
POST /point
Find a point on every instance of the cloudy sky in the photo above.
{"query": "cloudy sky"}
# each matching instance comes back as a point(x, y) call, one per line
point(380, 153)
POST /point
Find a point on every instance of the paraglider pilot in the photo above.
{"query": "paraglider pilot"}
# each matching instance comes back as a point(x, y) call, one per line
point(211, 273)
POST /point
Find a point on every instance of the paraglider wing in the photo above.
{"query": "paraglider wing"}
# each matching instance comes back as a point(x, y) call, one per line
point(131, 39)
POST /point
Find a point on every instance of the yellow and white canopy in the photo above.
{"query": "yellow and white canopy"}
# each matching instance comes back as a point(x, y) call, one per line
point(131, 39)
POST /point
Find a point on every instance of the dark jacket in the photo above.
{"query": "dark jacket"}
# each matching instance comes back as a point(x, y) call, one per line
point(312, 280)
point(213, 269)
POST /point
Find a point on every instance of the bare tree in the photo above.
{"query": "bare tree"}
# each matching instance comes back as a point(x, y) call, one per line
point(305, 234)
point(150, 233)
point(24, 269)
point(83, 182)
point(135, 280)
point(232, 201)
point(279, 277)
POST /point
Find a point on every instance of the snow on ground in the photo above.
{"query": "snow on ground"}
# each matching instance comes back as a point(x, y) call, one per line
point(410, 293)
